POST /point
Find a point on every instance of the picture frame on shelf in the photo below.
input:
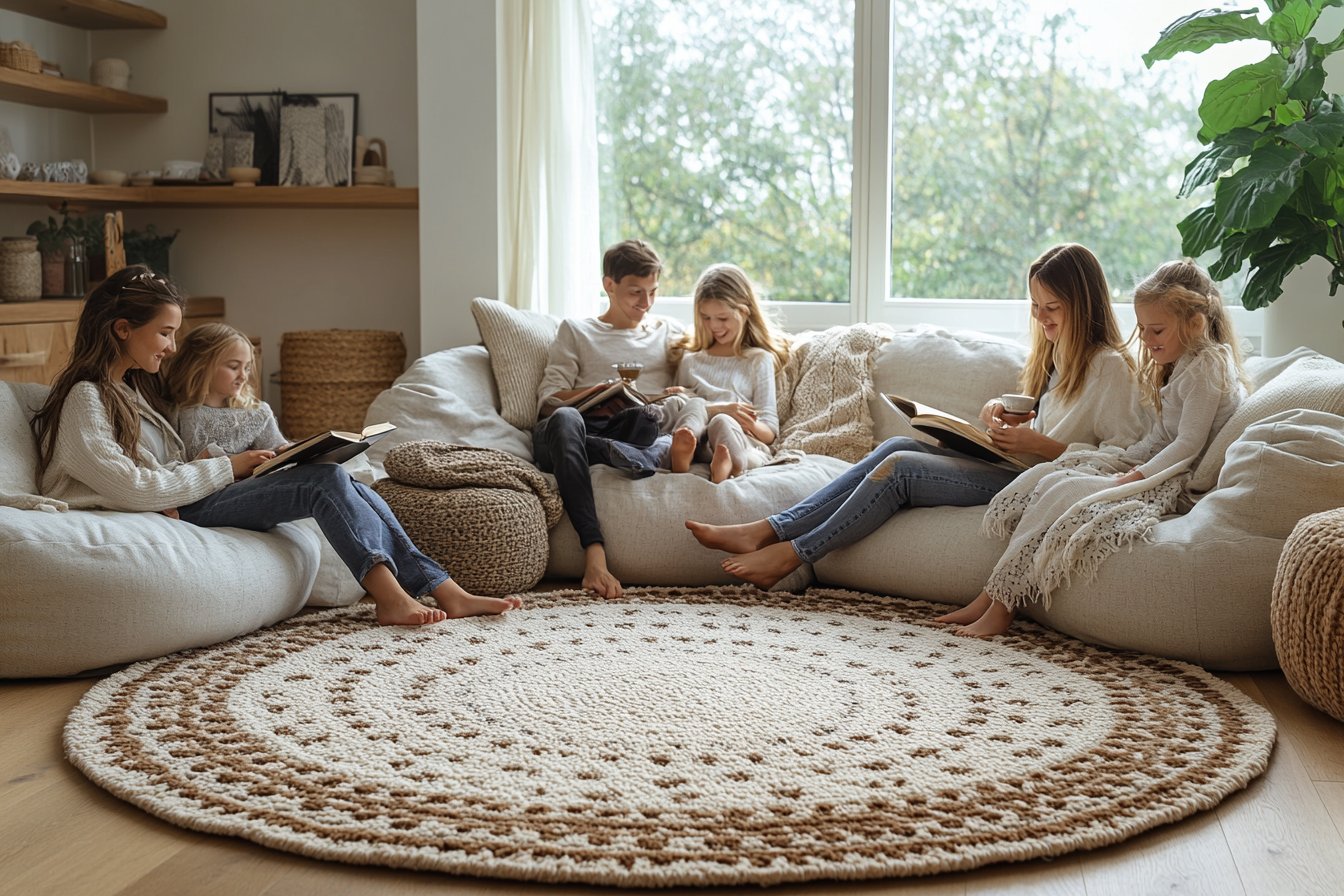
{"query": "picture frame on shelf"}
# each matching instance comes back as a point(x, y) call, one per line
point(317, 139)
point(234, 116)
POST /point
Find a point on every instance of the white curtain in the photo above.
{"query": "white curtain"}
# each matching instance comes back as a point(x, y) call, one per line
point(550, 259)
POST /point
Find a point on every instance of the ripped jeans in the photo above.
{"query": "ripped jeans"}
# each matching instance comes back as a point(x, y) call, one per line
point(897, 474)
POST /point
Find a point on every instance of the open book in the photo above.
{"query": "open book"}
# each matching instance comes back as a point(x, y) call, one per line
point(954, 432)
point(325, 448)
point(606, 399)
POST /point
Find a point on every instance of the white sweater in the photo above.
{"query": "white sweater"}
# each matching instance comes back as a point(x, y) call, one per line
point(89, 470)
point(720, 379)
point(1108, 411)
point(1198, 399)
point(584, 350)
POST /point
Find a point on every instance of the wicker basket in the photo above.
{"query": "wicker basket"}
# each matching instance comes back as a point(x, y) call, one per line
point(20, 269)
point(328, 378)
point(18, 55)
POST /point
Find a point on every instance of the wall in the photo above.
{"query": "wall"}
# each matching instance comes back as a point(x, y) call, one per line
point(278, 270)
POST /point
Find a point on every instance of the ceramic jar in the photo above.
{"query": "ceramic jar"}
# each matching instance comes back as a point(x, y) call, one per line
point(113, 73)
point(20, 269)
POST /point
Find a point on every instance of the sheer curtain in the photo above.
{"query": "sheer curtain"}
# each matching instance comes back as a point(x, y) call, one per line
point(550, 259)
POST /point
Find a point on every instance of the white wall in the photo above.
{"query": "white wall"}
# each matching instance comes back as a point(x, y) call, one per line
point(278, 270)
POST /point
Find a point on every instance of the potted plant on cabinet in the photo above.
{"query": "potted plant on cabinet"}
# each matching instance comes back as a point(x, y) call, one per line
point(149, 247)
point(1274, 148)
point(51, 239)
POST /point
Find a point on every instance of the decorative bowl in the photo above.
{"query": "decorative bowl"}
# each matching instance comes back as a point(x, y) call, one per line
point(108, 177)
point(243, 176)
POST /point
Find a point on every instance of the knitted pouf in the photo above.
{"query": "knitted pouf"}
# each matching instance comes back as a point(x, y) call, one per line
point(481, 514)
point(1306, 612)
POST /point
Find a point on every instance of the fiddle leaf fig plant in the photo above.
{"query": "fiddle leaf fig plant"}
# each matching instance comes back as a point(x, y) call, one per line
point(1274, 148)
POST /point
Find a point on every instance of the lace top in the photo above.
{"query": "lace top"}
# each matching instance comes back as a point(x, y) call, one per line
point(230, 430)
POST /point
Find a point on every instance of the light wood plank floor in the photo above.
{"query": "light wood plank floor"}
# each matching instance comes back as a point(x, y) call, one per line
point(63, 836)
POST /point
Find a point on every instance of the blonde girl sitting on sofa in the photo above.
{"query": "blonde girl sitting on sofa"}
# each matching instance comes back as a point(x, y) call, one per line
point(731, 361)
point(1191, 373)
point(104, 441)
point(1084, 382)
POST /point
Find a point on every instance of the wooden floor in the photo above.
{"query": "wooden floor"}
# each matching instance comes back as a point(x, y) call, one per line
point(63, 836)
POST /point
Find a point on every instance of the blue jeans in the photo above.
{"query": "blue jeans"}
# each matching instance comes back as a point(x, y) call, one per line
point(357, 522)
point(897, 474)
point(562, 446)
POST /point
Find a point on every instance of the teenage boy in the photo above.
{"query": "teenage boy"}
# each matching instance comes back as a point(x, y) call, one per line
point(565, 442)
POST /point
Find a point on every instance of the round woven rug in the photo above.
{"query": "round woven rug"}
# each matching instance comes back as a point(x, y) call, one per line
point(677, 736)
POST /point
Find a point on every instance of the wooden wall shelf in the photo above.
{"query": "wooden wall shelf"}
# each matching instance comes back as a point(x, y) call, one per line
point(93, 14)
point(77, 96)
point(210, 197)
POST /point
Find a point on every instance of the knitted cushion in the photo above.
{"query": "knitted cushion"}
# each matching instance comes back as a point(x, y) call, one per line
point(1306, 612)
point(481, 514)
point(518, 342)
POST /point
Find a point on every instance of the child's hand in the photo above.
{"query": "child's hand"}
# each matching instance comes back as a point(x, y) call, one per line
point(204, 455)
point(247, 461)
point(1126, 478)
point(674, 390)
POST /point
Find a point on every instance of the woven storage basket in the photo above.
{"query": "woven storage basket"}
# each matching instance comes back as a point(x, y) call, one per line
point(1306, 612)
point(20, 269)
point(481, 514)
point(18, 55)
point(328, 378)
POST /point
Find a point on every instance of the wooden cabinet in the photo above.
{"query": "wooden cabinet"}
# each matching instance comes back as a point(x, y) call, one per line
point(36, 337)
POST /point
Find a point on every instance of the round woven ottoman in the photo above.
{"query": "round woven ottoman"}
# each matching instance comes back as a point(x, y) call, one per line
point(481, 514)
point(1307, 611)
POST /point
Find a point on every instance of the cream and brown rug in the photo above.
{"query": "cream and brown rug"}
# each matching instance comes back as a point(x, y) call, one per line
point(678, 736)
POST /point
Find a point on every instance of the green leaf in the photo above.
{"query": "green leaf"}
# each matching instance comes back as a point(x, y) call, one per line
point(1306, 73)
point(1291, 23)
point(1244, 95)
point(1317, 136)
point(1251, 197)
point(1224, 150)
point(1200, 231)
point(1268, 268)
point(1198, 31)
point(1288, 113)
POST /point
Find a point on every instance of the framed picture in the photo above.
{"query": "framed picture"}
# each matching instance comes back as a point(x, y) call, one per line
point(317, 139)
point(249, 124)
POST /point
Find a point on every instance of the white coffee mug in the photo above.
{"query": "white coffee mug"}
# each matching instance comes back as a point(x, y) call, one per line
point(1017, 403)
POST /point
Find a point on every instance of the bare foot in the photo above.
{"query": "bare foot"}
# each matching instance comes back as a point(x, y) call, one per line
point(995, 621)
point(682, 451)
point(454, 600)
point(721, 466)
point(741, 538)
point(596, 577)
point(764, 567)
point(969, 613)
point(405, 610)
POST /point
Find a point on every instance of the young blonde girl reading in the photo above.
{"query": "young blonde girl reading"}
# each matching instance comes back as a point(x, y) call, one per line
point(209, 379)
point(104, 441)
point(1083, 379)
point(731, 361)
point(1190, 370)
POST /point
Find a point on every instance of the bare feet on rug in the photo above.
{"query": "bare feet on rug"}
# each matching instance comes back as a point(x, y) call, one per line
point(765, 567)
point(969, 613)
point(682, 451)
point(721, 466)
point(741, 538)
point(457, 602)
point(392, 605)
point(995, 621)
point(596, 577)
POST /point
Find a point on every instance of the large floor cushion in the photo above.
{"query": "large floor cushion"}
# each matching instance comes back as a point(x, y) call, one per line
point(87, 589)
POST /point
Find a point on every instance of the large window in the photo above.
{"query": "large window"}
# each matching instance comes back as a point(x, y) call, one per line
point(884, 156)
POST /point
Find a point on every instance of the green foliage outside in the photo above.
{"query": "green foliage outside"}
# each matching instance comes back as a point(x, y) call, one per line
point(726, 134)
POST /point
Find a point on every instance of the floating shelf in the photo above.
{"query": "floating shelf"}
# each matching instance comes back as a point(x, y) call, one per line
point(93, 14)
point(211, 197)
point(77, 96)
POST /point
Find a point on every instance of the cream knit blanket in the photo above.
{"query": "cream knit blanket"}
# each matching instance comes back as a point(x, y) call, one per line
point(825, 389)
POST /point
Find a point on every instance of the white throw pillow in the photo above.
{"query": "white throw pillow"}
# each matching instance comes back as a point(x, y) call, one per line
point(518, 342)
point(18, 447)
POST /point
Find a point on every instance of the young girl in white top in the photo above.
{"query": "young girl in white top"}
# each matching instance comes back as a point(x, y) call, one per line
point(731, 361)
point(104, 441)
point(1190, 371)
point(209, 378)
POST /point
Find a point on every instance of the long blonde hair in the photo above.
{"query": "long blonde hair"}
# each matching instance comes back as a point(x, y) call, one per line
point(136, 295)
point(729, 284)
point(1072, 274)
point(1188, 293)
point(191, 367)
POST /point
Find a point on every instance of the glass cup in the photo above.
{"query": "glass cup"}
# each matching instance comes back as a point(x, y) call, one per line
point(628, 370)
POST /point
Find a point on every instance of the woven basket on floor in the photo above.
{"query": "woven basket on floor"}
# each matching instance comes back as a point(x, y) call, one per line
point(328, 378)
point(18, 55)
point(1306, 612)
point(481, 514)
